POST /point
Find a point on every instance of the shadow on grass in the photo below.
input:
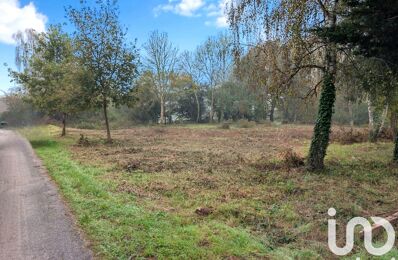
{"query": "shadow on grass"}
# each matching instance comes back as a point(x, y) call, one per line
point(43, 143)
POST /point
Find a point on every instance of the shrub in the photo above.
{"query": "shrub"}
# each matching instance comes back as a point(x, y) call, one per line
point(291, 159)
point(264, 122)
point(244, 123)
point(225, 125)
point(350, 136)
point(83, 141)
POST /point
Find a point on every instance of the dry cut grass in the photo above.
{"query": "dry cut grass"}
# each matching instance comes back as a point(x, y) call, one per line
point(249, 178)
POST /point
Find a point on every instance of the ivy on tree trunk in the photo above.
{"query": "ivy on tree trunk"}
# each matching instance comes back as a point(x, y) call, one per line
point(320, 140)
point(63, 125)
point(396, 149)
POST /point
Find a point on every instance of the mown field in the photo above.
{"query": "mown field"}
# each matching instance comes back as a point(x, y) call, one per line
point(195, 192)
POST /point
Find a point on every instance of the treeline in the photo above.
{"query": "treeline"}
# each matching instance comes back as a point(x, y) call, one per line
point(292, 61)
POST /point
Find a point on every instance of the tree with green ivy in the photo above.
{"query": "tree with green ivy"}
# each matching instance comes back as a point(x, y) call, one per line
point(370, 29)
point(292, 22)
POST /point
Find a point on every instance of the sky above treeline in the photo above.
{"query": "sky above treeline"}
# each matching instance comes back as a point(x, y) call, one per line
point(188, 22)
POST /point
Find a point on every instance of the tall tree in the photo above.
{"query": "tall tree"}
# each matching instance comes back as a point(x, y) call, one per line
point(214, 60)
point(349, 82)
point(370, 28)
point(105, 53)
point(161, 60)
point(51, 75)
point(189, 65)
point(291, 21)
point(264, 70)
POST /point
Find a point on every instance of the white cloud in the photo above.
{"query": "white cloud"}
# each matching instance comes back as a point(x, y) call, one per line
point(221, 16)
point(213, 9)
point(182, 7)
point(14, 18)
point(222, 21)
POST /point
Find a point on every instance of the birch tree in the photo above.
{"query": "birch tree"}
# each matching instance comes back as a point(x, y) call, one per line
point(161, 60)
point(189, 65)
point(214, 60)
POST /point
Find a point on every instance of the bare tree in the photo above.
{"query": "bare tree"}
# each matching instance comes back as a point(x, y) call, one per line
point(214, 60)
point(161, 60)
point(189, 65)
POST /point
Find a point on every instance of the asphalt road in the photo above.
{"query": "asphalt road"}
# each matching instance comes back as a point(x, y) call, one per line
point(34, 222)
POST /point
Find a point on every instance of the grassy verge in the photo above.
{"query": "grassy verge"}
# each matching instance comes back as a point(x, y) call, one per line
point(137, 198)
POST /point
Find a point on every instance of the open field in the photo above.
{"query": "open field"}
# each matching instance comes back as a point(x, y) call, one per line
point(204, 192)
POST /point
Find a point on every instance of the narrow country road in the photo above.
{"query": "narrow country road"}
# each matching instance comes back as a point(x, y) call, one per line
point(34, 223)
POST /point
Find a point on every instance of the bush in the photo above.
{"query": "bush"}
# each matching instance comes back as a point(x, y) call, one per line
point(264, 122)
point(344, 135)
point(83, 141)
point(244, 123)
point(351, 136)
point(291, 159)
point(225, 125)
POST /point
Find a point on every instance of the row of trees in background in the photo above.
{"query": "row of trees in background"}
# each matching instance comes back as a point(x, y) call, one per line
point(96, 67)
point(278, 58)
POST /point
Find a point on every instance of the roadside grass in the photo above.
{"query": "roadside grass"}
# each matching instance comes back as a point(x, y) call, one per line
point(139, 197)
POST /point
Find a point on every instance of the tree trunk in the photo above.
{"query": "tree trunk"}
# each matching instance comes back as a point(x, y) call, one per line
point(376, 119)
point(264, 110)
point(198, 107)
point(286, 115)
point(108, 130)
point(370, 113)
point(212, 107)
point(63, 125)
point(395, 134)
point(320, 139)
point(393, 123)
point(383, 118)
point(351, 113)
point(162, 118)
point(395, 158)
point(373, 133)
point(272, 110)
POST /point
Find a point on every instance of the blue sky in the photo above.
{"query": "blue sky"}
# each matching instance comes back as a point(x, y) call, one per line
point(188, 22)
